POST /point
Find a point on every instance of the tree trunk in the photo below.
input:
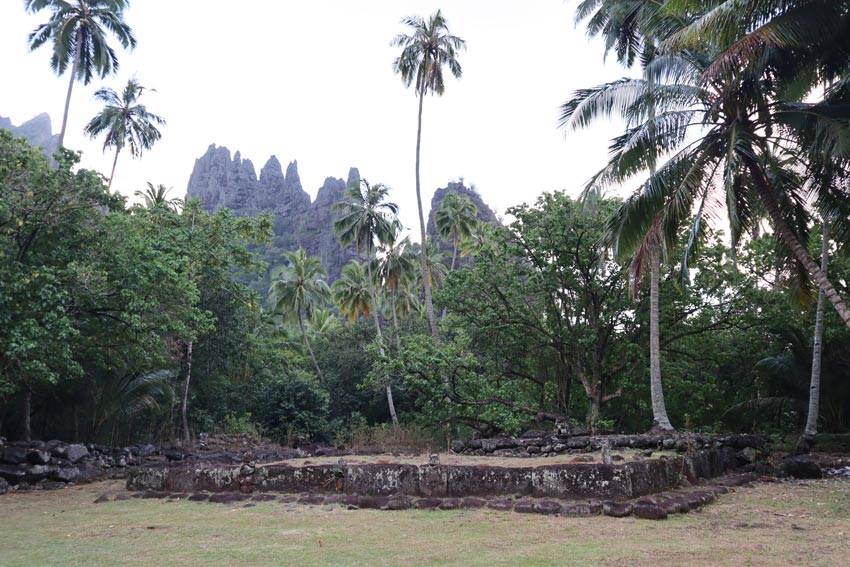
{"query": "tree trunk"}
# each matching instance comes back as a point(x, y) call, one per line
point(817, 348)
point(307, 343)
point(26, 410)
point(185, 397)
point(799, 251)
point(452, 269)
point(73, 73)
point(659, 409)
point(376, 316)
point(426, 280)
point(395, 322)
point(595, 411)
point(114, 163)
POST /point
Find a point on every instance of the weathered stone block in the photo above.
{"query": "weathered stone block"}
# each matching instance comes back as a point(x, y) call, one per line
point(580, 481)
point(488, 481)
point(381, 480)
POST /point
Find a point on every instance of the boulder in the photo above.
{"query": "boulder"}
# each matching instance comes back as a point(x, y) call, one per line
point(802, 466)
point(13, 455)
point(38, 457)
point(648, 510)
point(67, 474)
point(76, 452)
point(547, 507)
point(4, 486)
point(617, 509)
point(13, 474)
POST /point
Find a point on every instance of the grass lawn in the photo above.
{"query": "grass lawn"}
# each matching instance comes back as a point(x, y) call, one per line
point(787, 524)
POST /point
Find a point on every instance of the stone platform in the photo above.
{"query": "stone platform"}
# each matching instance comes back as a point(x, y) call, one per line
point(564, 481)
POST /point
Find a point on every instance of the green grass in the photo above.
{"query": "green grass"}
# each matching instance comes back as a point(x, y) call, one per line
point(773, 524)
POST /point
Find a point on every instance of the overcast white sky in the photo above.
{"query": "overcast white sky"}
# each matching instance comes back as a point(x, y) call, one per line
point(312, 81)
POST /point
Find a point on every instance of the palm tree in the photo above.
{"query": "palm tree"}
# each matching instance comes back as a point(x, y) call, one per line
point(811, 428)
point(455, 220)
point(300, 290)
point(424, 53)
point(77, 30)
point(125, 122)
point(749, 144)
point(365, 219)
point(396, 269)
point(352, 292)
point(323, 321)
point(157, 196)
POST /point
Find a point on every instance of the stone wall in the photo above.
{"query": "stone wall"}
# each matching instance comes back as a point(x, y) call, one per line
point(572, 480)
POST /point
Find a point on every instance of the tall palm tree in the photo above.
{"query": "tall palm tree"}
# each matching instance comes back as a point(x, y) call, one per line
point(157, 196)
point(125, 122)
point(300, 290)
point(424, 52)
point(78, 29)
point(455, 220)
point(749, 143)
point(622, 24)
point(366, 219)
point(770, 55)
point(813, 414)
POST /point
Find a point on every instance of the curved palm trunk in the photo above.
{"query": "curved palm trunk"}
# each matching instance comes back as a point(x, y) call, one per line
point(185, 396)
point(307, 343)
point(817, 348)
point(114, 163)
point(426, 281)
point(799, 251)
point(659, 409)
point(70, 87)
point(390, 401)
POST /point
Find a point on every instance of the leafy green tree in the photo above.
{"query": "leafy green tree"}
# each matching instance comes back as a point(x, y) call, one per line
point(300, 290)
point(620, 23)
point(424, 53)
point(455, 220)
point(546, 305)
point(125, 122)
point(45, 214)
point(78, 31)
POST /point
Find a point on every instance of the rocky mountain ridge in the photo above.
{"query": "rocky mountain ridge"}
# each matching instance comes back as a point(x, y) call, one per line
point(220, 180)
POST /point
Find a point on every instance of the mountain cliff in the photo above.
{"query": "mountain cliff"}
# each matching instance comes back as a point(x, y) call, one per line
point(221, 181)
point(37, 131)
point(485, 213)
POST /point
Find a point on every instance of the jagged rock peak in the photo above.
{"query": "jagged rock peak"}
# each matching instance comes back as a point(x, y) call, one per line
point(292, 178)
point(38, 131)
point(272, 172)
point(331, 191)
point(353, 176)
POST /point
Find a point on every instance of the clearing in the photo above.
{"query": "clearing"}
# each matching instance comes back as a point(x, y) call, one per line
point(784, 524)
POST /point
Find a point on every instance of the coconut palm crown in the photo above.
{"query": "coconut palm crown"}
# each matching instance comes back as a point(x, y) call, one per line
point(125, 122)
point(78, 31)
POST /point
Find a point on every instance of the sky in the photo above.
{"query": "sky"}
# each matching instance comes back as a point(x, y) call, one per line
point(313, 82)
